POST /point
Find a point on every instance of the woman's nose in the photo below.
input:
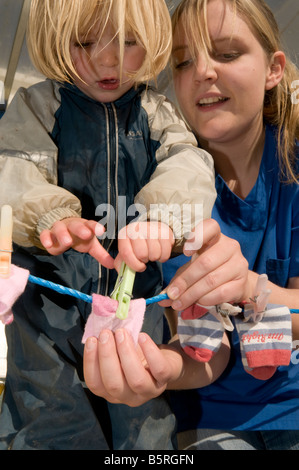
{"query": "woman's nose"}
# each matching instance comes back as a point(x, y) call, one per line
point(205, 69)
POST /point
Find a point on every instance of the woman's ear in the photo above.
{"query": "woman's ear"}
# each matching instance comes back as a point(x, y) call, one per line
point(276, 70)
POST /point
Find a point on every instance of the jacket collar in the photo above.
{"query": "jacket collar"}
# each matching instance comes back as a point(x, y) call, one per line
point(123, 100)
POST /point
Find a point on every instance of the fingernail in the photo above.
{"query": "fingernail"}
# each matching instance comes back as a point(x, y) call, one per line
point(173, 293)
point(91, 343)
point(142, 338)
point(103, 337)
point(99, 230)
point(177, 305)
point(119, 336)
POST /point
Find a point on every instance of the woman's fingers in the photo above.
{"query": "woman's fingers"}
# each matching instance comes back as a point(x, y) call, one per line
point(117, 369)
point(218, 273)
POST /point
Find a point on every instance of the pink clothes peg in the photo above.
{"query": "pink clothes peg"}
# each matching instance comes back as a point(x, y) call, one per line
point(5, 241)
point(13, 279)
point(10, 290)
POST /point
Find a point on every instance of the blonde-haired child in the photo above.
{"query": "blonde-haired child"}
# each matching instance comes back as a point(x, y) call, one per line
point(92, 140)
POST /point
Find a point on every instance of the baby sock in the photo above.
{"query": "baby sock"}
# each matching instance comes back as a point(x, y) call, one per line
point(267, 344)
point(103, 317)
point(200, 333)
point(10, 289)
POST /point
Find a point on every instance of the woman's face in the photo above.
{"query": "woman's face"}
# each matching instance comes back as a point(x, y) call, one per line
point(222, 98)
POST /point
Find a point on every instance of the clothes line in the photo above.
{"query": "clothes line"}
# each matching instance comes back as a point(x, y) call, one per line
point(80, 295)
point(88, 298)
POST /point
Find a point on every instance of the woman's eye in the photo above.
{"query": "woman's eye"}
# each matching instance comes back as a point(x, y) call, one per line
point(183, 64)
point(227, 56)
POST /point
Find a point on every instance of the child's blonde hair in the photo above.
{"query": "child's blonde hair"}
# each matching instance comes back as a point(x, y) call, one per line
point(54, 24)
point(279, 108)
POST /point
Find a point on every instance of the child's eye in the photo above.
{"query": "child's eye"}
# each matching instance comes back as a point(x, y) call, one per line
point(86, 45)
point(130, 42)
point(83, 44)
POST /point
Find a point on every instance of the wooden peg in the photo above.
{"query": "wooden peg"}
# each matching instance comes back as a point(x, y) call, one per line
point(5, 241)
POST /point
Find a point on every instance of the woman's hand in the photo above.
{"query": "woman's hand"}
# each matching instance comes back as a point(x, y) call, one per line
point(121, 372)
point(218, 272)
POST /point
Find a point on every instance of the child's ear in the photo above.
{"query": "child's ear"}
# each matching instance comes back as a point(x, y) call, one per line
point(276, 70)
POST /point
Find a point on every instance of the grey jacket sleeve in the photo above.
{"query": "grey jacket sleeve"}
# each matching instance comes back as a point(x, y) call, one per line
point(182, 190)
point(28, 165)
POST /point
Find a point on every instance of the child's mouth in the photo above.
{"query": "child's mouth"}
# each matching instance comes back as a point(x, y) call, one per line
point(109, 84)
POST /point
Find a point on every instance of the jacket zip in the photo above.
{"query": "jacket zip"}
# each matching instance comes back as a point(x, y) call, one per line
point(112, 173)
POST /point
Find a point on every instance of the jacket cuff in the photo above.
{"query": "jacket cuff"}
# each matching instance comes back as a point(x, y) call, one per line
point(160, 214)
point(48, 219)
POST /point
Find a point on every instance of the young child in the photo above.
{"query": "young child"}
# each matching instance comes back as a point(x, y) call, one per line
point(237, 90)
point(87, 144)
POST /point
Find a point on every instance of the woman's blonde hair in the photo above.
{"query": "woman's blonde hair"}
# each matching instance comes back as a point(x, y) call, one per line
point(279, 108)
point(54, 24)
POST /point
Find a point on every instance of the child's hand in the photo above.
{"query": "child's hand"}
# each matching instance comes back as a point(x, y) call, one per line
point(79, 234)
point(141, 242)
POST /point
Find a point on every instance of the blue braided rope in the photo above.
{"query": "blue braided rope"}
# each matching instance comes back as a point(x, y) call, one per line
point(88, 298)
point(80, 295)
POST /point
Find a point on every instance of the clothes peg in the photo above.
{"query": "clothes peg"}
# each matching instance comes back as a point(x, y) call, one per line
point(123, 290)
point(223, 311)
point(258, 303)
point(5, 241)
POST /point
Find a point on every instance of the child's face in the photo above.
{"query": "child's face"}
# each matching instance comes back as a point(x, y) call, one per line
point(98, 65)
point(223, 98)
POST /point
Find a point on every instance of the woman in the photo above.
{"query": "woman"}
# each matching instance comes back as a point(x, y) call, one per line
point(234, 87)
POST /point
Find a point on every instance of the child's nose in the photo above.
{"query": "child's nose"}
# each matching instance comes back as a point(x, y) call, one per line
point(108, 56)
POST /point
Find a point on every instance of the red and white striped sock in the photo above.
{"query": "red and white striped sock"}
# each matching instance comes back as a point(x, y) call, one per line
point(267, 344)
point(200, 333)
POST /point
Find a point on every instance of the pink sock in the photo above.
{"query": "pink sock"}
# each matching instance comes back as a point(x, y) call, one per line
point(103, 317)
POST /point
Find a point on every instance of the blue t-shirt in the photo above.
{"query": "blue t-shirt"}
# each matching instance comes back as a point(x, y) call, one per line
point(266, 224)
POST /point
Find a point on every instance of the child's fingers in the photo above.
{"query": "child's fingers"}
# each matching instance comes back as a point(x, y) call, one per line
point(61, 233)
point(97, 251)
point(166, 248)
point(97, 228)
point(80, 228)
point(47, 239)
point(128, 256)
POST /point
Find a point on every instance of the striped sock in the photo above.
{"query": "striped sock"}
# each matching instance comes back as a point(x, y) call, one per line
point(200, 333)
point(267, 344)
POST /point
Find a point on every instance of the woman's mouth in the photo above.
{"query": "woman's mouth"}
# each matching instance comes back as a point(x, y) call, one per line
point(211, 101)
